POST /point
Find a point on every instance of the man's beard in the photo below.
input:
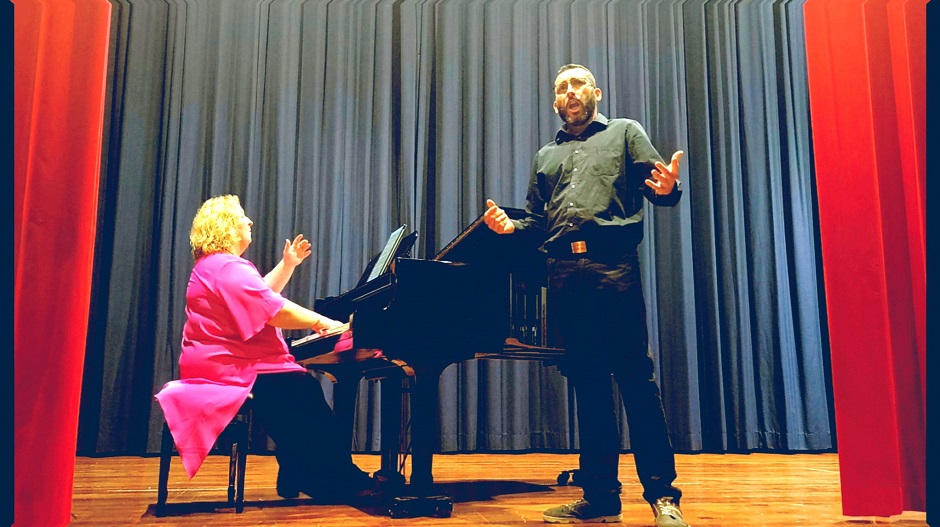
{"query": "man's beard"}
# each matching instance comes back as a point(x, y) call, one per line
point(582, 116)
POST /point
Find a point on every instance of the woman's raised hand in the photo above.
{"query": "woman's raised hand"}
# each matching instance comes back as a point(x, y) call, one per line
point(296, 251)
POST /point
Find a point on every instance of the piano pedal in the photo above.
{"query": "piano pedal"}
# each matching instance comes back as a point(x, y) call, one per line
point(567, 475)
point(389, 479)
point(417, 506)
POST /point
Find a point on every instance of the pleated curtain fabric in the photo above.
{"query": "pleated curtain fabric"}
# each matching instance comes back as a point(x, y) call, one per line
point(867, 81)
point(342, 120)
point(60, 69)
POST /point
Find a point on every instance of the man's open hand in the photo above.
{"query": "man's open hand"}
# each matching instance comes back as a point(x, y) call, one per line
point(663, 179)
point(496, 219)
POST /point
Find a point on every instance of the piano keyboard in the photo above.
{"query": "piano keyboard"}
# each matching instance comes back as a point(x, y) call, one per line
point(338, 330)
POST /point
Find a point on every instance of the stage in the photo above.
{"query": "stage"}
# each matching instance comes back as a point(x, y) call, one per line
point(771, 490)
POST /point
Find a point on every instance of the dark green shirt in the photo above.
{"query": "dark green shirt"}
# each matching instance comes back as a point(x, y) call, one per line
point(591, 187)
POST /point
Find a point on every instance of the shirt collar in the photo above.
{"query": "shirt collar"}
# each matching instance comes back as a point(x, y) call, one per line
point(599, 123)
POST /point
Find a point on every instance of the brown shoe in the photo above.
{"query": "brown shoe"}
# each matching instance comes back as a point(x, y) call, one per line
point(581, 511)
point(668, 513)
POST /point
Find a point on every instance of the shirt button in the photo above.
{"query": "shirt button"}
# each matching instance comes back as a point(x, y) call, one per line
point(572, 185)
point(576, 151)
point(571, 225)
point(576, 170)
point(571, 204)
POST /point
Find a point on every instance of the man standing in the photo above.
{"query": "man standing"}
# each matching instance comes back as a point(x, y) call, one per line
point(585, 208)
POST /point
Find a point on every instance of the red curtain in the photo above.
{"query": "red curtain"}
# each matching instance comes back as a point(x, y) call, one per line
point(60, 67)
point(867, 67)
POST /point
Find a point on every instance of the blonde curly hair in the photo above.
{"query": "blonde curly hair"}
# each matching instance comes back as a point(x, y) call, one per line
point(215, 227)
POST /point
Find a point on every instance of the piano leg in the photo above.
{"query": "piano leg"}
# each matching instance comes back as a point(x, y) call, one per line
point(392, 408)
point(424, 428)
point(422, 501)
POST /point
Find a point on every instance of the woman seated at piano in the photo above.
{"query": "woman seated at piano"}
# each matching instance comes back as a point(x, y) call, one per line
point(232, 346)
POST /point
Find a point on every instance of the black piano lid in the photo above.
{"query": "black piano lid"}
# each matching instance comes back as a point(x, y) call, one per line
point(476, 240)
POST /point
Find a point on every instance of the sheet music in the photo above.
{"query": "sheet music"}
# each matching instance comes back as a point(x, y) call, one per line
point(385, 258)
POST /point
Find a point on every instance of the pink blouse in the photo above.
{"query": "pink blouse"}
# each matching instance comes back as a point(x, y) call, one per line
point(227, 342)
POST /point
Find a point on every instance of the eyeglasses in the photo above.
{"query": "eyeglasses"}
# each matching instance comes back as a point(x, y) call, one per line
point(576, 83)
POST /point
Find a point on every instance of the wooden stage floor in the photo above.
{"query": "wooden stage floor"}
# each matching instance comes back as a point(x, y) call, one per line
point(730, 490)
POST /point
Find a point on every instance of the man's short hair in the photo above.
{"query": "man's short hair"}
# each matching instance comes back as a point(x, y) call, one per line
point(572, 66)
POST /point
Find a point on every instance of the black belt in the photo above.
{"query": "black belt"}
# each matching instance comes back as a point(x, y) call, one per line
point(586, 249)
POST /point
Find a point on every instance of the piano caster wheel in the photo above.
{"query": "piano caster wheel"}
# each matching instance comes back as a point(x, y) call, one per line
point(415, 506)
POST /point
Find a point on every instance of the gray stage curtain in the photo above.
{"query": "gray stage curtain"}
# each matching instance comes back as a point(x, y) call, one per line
point(342, 120)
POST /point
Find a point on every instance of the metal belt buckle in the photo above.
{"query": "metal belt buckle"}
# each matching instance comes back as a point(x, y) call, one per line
point(578, 247)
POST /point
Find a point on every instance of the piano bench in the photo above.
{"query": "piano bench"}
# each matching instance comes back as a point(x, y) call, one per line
point(237, 434)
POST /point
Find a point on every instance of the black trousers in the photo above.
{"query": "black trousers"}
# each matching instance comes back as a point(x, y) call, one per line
point(313, 444)
point(598, 315)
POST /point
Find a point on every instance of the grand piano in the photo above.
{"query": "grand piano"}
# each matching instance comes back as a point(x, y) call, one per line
point(481, 296)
